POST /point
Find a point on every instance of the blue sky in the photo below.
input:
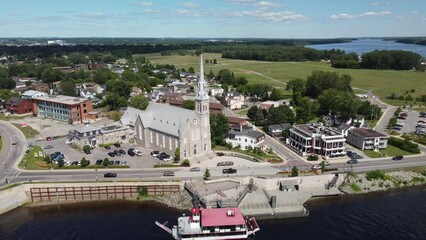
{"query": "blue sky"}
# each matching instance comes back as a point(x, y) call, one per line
point(212, 18)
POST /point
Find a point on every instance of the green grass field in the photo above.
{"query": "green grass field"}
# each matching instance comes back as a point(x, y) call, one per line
point(382, 82)
point(28, 131)
point(390, 151)
point(1, 143)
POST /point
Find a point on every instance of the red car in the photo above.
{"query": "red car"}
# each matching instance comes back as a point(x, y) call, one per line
point(48, 139)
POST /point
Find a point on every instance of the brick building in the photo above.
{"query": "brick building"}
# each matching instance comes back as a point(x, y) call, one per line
point(17, 105)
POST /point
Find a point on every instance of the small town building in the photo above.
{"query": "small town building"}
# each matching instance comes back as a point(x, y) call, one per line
point(16, 105)
point(93, 136)
point(135, 91)
point(233, 100)
point(278, 129)
point(174, 99)
point(216, 108)
point(33, 94)
point(367, 139)
point(237, 121)
point(71, 110)
point(216, 91)
point(245, 139)
point(42, 87)
point(314, 138)
point(268, 104)
point(289, 185)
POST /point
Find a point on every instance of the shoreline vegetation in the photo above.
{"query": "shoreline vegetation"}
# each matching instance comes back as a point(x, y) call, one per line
point(378, 181)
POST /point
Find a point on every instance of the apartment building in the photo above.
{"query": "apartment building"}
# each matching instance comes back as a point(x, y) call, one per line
point(367, 139)
point(314, 138)
point(68, 109)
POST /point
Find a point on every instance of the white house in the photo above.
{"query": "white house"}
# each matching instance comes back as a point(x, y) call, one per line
point(33, 94)
point(245, 139)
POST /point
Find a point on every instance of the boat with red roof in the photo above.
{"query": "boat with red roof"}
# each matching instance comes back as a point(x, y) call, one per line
point(213, 224)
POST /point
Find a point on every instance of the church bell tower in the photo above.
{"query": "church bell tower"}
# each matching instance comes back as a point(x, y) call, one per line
point(202, 101)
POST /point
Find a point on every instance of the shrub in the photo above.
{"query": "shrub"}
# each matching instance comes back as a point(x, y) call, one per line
point(185, 163)
point(404, 144)
point(294, 172)
point(143, 191)
point(84, 162)
point(375, 174)
point(313, 157)
point(60, 163)
point(86, 148)
point(206, 174)
point(418, 179)
point(105, 162)
point(355, 187)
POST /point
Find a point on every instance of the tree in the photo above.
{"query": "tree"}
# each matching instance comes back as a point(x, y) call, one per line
point(139, 102)
point(49, 75)
point(294, 172)
point(115, 101)
point(320, 81)
point(260, 119)
point(252, 112)
point(86, 148)
point(5, 94)
point(84, 162)
point(296, 85)
point(225, 77)
point(219, 126)
point(323, 166)
point(214, 61)
point(105, 162)
point(241, 81)
point(67, 88)
point(188, 104)
point(77, 58)
point(281, 114)
point(276, 95)
point(177, 154)
point(5, 81)
point(305, 110)
point(206, 174)
point(60, 163)
point(191, 70)
point(210, 75)
point(102, 75)
point(47, 158)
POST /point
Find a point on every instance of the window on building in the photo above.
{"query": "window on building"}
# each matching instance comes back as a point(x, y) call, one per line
point(170, 144)
point(184, 153)
point(85, 111)
point(164, 141)
point(205, 147)
point(195, 149)
point(140, 132)
point(245, 140)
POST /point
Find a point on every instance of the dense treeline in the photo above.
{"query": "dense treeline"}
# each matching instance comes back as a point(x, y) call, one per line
point(417, 41)
point(273, 52)
point(119, 51)
point(393, 59)
point(404, 144)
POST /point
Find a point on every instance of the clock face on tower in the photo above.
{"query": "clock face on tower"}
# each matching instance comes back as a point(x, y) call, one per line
point(195, 121)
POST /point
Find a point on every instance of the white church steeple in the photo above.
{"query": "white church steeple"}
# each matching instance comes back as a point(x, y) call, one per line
point(201, 93)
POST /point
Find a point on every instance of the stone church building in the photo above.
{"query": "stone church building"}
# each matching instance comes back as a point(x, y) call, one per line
point(165, 128)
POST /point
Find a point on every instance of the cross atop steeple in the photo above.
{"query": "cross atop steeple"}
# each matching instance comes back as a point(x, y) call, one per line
point(201, 93)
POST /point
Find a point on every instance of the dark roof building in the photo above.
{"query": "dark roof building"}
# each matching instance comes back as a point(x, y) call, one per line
point(17, 105)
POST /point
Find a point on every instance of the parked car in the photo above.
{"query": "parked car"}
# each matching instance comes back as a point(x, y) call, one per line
point(349, 153)
point(195, 169)
point(117, 145)
point(122, 152)
point(111, 154)
point(352, 161)
point(155, 153)
point(137, 152)
point(168, 174)
point(398, 158)
point(161, 155)
point(316, 167)
point(99, 162)
point(326, 163)
point(117, 153)
point(229, 170)
point(14, 143)
point(131, 153)
point(75, 163)
point(227, 163)
point(87, 151)
point(168, 158)
point(68, 163)
point(107, 147)
point(48, 139)
point(107, 175)
point(111, 163)
point(48, 147)
point(117, 162)
point(124, 163)
point(357, 156)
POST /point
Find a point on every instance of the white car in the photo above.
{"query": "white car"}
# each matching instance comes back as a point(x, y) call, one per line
point(137, 152)
point(169, 158)
point(316, 167)
point(67, 163)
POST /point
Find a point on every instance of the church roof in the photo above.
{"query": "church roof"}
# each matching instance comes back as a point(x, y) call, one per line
point(165, 118)
point(130, 115)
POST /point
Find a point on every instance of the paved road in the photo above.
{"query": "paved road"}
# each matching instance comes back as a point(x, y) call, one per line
point(10, 154)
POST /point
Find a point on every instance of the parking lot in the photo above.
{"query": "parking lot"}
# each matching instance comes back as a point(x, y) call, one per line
point(144, 161)
point(410, 122)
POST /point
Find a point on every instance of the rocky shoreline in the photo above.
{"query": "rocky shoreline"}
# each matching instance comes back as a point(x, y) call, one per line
point(376, 181)
point(180, 200)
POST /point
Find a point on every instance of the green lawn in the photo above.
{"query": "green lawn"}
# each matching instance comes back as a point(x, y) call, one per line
point(28, 131)
point(32, 163)
point(390, 151)
point(1, 143)
point(382, 82)
point(10, 117)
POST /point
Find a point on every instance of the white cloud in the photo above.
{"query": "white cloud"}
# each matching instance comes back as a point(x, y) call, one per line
point(242, 2)
point(188, 13)
point(342, 16)
point(387, 3)
point(415, 12)
point(265, 4)
point(190, 5)
point(283, 16)
point(97, 15)
point(141, 3)
point(373, 14)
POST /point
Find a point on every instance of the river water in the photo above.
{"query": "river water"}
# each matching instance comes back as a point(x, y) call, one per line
point(364, 45)
point(395, 215)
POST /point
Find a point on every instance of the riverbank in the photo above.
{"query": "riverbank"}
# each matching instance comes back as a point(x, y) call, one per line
point(180, 200)
point(376, 181)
